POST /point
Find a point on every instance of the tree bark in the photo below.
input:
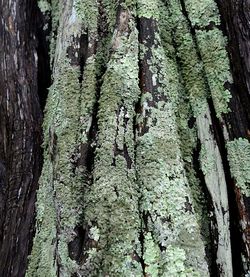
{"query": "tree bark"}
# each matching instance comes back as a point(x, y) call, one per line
point(20, 133)
point(146, 153)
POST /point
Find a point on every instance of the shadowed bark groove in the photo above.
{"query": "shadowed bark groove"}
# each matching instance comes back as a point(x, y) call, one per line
point(235, 19)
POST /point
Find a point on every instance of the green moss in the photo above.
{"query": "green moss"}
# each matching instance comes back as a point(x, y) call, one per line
point(239, 160)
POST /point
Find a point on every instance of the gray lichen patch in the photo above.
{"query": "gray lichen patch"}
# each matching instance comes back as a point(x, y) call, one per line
point(239, 160)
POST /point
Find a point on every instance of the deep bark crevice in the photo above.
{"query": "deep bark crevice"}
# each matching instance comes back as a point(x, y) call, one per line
point(235, 26)
point(43, 57)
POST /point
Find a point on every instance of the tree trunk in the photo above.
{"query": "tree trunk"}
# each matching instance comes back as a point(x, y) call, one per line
point(20, 132)
point(146, 154)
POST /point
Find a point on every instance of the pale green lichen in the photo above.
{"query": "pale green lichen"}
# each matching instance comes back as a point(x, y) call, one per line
point(216, 63)
point(207, 160)
point(184, 115)
point(87, 12)
point(202, 13)
point(43, 250)
point(151, 256)
point(148, 9)
point(111, 202)
point(60, 195)
point(161, 174)
point(191, 68)
point(175, 265)
point(64, 190)
point(44, 6)
point(239, 161)
point(212, 47)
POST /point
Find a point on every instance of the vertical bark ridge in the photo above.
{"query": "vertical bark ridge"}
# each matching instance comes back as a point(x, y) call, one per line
point(238, 120)
point(170, 226)
point(202, 85)
point(101, 158)
point(111, 202)
point(233, 123)
point(66, 129)
point(189, 142)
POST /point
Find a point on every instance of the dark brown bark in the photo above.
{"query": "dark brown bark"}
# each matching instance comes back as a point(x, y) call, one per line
point(236, 25)
point(20, 133)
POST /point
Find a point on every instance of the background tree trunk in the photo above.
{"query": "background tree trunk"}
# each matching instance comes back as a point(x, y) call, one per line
point(20, 132)
point(146, 154)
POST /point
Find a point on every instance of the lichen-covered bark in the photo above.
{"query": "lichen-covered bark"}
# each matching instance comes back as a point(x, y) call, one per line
point(139, 155)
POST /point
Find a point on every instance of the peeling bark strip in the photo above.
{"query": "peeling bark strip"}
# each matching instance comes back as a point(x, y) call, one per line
point(20, 132)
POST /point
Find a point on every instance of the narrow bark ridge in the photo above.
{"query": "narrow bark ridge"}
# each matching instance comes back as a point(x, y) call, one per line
point(166, 205)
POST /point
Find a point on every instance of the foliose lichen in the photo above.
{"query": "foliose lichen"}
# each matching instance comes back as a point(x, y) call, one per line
point(111, 202)
point(239, 161)
point(204, 18)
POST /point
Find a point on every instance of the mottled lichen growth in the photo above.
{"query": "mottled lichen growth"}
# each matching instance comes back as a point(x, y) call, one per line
point(204, 18)
point(111, 202)
point(160, 169)
point(43, 251)
point(60, 195)
point(196, 81)
point(148, 9)
point(88, 12)
point(190, 66)
point(60, 186)
point(185, 115)
point(239, 160)
point(138, 200)
point(44, 6)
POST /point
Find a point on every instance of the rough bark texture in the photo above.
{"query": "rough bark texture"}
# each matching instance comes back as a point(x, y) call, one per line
point(146, 138)
point(20, 133)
